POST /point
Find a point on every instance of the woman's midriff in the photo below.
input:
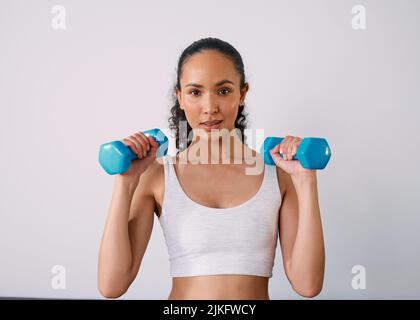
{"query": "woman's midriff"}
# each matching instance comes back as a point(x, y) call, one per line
point(220, 287)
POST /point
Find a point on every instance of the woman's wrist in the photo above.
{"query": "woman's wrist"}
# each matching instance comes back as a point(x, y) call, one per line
point(127, 182)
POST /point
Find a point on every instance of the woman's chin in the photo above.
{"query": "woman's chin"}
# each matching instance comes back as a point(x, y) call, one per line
point(209, 134)
point(214, 134)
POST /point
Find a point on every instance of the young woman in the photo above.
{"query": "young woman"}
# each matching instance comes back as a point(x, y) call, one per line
point(221, 221)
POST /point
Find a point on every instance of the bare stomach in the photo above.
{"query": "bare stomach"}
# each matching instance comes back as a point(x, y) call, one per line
point(220, 287)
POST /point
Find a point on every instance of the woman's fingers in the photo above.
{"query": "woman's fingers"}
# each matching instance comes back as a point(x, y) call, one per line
point(295, 145)
point(133, 144)
point(294, 149)
point(153, 144)
point(144, 143)
point(288, 147)
point(274, 152)
point(284, 147)
point(140, 144)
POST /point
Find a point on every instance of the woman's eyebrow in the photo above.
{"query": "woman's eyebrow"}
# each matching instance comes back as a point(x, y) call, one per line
point(216, 84)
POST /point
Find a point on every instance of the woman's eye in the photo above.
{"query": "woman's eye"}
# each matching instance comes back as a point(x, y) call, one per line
point(196, 92)
point(224, 89)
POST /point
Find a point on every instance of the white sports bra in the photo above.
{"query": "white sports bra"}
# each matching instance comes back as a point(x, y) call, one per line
point(207, 241)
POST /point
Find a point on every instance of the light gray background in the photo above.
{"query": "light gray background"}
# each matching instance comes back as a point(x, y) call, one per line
point(109, 74)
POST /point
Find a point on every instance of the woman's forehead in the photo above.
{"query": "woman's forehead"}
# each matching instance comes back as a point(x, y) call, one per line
point(208, 69)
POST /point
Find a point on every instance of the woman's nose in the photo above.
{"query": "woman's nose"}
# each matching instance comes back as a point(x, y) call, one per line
point(210, 107)
point(211, 110)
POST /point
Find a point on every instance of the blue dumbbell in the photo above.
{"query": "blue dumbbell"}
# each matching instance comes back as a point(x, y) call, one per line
point(312, 153)
point(115, 157)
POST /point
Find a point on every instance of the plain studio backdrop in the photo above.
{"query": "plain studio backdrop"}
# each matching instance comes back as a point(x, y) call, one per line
point(110, 72)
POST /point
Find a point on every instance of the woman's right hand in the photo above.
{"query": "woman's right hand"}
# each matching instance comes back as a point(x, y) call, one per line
point(145, 148)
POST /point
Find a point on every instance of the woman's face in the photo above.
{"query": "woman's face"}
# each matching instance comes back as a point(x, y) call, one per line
point(210, 90)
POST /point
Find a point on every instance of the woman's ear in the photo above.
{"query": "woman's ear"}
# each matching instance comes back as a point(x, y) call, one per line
point(178, 94)
point(244, 90)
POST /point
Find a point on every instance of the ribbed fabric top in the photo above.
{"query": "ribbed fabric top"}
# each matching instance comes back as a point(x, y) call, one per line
point(207, 241)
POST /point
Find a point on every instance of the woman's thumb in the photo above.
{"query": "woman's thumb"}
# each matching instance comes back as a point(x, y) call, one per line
point(275, 155)
point(153, 144)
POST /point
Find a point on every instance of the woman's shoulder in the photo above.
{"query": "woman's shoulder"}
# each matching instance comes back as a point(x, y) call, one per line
point(154, 176)
point(282, 179)
point(282, 176)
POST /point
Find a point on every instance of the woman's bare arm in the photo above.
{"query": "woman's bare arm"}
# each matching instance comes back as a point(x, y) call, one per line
point(301, 235)
point(127, 232)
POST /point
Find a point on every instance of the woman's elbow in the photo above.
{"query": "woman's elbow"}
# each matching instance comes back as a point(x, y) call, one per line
point(112, 287)
point(110, 292)
point(309, 292)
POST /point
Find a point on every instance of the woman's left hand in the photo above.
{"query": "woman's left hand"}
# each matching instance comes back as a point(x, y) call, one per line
point(288, 148)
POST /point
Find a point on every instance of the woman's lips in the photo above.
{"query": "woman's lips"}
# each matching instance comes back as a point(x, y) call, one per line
point(213, 125)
